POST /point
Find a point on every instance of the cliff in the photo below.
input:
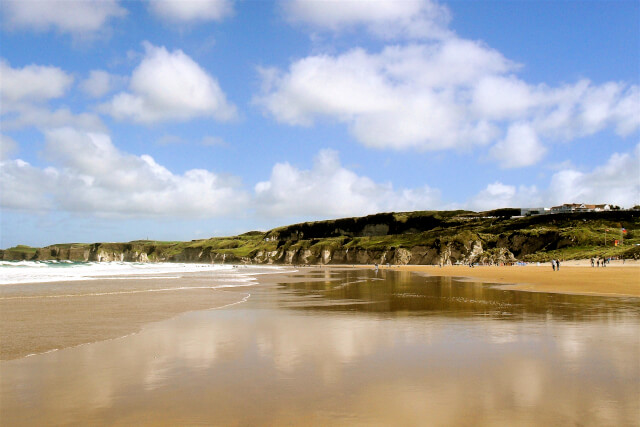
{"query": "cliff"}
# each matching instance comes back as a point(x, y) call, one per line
point(441, 237)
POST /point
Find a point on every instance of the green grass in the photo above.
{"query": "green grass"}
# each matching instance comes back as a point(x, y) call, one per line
point(560, 236)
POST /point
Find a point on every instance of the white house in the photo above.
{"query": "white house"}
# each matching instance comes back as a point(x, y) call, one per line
point(579, 207)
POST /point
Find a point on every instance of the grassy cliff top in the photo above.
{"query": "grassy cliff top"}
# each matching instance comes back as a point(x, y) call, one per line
point(575, 235)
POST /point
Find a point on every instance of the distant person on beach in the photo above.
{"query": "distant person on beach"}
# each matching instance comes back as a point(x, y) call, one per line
point(557, 265)
point(592, 262)
point(553, 264)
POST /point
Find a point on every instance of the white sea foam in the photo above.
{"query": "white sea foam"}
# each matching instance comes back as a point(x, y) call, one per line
point(16, 272)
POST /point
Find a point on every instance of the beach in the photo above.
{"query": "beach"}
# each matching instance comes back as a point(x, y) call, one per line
point(50, 317)
point(573, 277)
point(73, 309)
point(318, 346)
point(39, 325)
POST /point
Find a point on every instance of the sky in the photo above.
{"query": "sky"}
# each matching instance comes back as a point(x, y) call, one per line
point(181, 120)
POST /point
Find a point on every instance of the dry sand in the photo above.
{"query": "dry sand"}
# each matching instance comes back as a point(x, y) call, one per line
point(573, 278)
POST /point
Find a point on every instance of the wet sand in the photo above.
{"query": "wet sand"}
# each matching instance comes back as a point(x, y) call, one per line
point(37, 318)
point(571, 279)
point(338, 346)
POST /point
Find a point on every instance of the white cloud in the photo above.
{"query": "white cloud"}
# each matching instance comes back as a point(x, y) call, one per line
point(25, 91)
point(582, 109)
point(519, 148)
point(29, 115)
point(8, 146)
point(99, 83)
point(499, 97)
point(330, 190)
point(382, 18)
point(404, 97)
point(498, 195)
point(192, 10)
point(616, 182)
point(169, 86)
point(24, 186)
point(91, 175)
point(447, 94)
point(32, 83)
point(66, 16)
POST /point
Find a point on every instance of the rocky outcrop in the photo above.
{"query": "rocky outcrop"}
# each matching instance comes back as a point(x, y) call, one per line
point(402, 238)
point(440, 252)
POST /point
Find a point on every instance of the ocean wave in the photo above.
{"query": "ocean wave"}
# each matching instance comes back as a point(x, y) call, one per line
point(18, 272)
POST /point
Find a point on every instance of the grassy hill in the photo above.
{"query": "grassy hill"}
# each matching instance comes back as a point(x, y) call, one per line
point(424, 237)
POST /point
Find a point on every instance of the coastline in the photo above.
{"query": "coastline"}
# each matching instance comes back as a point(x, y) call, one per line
point(82, 319)
point(332, 349)
point(574, 277)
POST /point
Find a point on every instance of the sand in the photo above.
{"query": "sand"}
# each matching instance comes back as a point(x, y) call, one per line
point(37, 325)
point(47, 321)
point(573, 277)
point(416, 352)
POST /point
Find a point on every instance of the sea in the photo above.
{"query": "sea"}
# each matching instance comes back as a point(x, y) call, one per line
point(14, 272)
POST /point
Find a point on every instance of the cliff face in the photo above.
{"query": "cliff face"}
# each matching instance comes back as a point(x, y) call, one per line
point(440, 253)
point(96, 252)
point(405, 238)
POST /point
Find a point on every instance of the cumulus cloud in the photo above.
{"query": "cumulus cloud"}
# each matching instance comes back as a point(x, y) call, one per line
point(32, 83)
point(498, 195)
point(66, 16)
point(446, 94)
point(616, 182)
point(43, 118)
point(180, 11)
point(583, 109)
point(99, 83)
point(25, 92)
point(383, 18)
point(169, 86)
point(519, 148)
point(26, 187)
point(403, 97)
point(330, 190)
point(89, 174)
point(434, 90)
point(8, 146)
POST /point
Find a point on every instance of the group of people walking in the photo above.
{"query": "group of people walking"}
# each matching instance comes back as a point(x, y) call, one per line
point(600, 262)
point(555, 264)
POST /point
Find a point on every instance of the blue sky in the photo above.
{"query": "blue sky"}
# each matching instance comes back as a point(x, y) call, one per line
point(178, 120)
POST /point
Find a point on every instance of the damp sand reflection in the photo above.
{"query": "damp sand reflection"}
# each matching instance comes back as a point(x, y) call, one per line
point(351, 348)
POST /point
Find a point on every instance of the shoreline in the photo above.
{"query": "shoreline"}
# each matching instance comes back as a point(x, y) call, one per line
point(577, 278)
point(35, 325)
point(74, 321)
